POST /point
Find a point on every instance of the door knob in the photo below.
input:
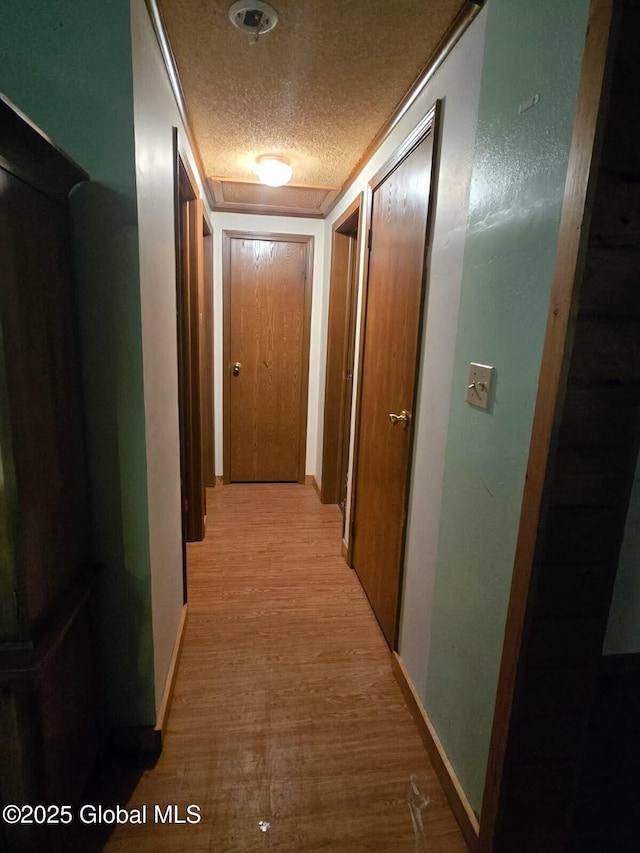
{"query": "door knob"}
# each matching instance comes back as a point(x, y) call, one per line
point(236, 368)
point(403, 418)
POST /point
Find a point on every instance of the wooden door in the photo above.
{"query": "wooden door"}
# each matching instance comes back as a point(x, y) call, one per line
point(190, 223)
point(267, 319)
point(190, 315)
point(347, 390)
point(399, 219)
point(206, 368)
point(343, 295)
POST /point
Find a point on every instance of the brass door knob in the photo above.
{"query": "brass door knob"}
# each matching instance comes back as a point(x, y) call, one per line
point(403, 418)
point(235, 369)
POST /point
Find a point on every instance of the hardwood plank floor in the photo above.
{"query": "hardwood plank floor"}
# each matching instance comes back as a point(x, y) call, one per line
point(286, 711)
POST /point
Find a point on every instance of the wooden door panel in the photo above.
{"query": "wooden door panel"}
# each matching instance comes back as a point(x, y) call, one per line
point(399, 218)
point(191, 341)
point(347, 389)
point(198, 500)
point(334, 377)
point(206, 367)
point(267, 338)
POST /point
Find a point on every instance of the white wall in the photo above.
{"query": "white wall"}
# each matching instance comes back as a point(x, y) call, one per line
point(457, 83)
point(155, 114)
point(276, 225)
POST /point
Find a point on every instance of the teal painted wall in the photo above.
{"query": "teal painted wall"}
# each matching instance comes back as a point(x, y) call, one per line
point(67, 65)
point(514, 212)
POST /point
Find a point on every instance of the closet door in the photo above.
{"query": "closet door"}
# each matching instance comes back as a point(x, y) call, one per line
point(394, 299)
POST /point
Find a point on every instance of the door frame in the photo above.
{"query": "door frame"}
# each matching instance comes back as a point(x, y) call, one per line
point(308, 240)
point(189, 301)
point(431, 123)
point(341, 330)
point(207, 364)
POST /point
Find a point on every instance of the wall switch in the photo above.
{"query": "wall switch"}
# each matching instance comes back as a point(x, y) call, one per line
point(479, 385)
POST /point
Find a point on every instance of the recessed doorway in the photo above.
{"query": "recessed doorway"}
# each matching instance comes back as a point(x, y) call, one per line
point(343, 294)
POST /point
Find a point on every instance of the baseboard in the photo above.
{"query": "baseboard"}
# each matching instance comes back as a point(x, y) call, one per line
point(310, 480)
point(219, 481)
point(463, 812)
point(345, 551)
point(167, 696)
point(148, 740)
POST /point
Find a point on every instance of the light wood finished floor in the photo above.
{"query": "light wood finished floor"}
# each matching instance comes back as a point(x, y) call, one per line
point(286, 710)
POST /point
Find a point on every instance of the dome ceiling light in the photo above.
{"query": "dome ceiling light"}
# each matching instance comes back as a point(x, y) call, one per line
point(273, 171)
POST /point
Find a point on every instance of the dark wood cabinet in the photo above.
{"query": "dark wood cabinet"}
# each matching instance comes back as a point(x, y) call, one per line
point(48, 691)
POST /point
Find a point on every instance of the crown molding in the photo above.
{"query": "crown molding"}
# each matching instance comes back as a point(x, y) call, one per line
point(168, 58)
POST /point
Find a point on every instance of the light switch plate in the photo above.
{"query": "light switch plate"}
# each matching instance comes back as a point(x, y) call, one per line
point(479, 385)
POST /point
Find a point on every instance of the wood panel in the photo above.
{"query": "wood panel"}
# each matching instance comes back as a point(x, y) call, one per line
point(285, 709)
point(340, 351)
point(308, 201)
point(388, 369)
point(267, 310)
point(267, 321)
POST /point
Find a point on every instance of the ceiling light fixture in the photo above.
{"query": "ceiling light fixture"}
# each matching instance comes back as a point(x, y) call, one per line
point(273, 171)
point(253, 16)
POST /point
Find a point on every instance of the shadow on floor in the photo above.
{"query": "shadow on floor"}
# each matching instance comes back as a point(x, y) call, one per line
point(112, 782)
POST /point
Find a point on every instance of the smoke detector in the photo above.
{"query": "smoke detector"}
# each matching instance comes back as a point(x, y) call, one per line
point(253, 17)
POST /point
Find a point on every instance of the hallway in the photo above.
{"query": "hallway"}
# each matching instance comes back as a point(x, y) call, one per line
point(286, 710)
point(133, 141)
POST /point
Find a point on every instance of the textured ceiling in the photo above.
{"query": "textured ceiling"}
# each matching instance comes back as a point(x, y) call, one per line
point(316, 89)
